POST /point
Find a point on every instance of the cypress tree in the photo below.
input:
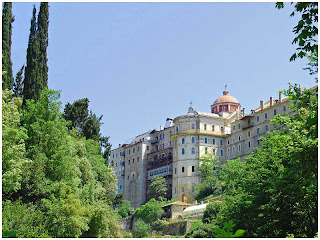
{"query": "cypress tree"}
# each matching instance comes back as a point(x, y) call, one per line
point(32, 78)
point(36, 71)
point(7, 19)
point(18, 83)
point(43, 27)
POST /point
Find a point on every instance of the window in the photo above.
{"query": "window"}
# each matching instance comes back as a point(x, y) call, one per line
point(182, 151)
point(213, 141)
point(239, 138)
point(132, 176)
point(120, 186)
point(193, 151)
point(128, 177)
point(228, 142)
point(147, 148)
point(182, 140)
point(192, 125)
point(206, 150)
point(116, 154)
point(138, 149)
point(239, 148)
point(113, 156)
point(221, 142)
point(258, 118)
point(205, 127)
point(258, 130)
point(258, 142)
point(239, 126)
point(249, 134)
point(116, 164)
point(192, 169)
point(233, 150)
point(162, 145)
point(266, 128)
point(129, 151)
point(233, 140)
point(224, 108)
point(284, 108)
point(249, 144)
point(129, 161)
point(120, 154)
point(213, 128)
point(182, 169)
point(234, 127)
point(205, 140)
point(192, 140)
point(228, 151)
point(177, 129)
point(133, 150)
point(160, 136)
point(175, 171)
point(213, 151)
point(266, 115)
point(138, 159)
point(275, 112)
point(221, 153)
point(222, 129)
point(132, 160)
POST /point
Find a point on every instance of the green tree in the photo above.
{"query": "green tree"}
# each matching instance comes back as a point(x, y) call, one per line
point(18, 83)
point(124, 209)
point(150, 212)
point(14, 158)
point(7, 20)
point(157, 188)
point(209, 180)
point(142, 229)
point(32, 77)
point(43, 28)
point(275, 190)
point(77, 113)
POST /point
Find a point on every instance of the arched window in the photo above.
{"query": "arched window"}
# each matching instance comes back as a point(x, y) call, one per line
point(182, 151)
point(249, 134)
point(206, 150)
point(213, 128)
point(249, 144)
point(205, 126)
point(221, 142)
point(239, 148)
point(258, 130)
point(205, 140)
point(192, 125)
point(228, 151)
point(239, 137)
point(182, 141)
point(213, 141)
point(221, 153)
point(266, 128)
point(228, 142)
point(193, 140)
point(193, 151)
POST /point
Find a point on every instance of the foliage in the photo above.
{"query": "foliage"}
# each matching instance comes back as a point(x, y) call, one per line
point(13, 144)
point(211, 213)
point(26, 220)
point(157, 188)
point(201, 230)
point(36, 71)
point(18, 83)
point(209, 183)
point(66, 180)
point(142, 229)
point(306, 29)
point(227, 231)
point(124, 209)
point(274, 192)
point(150, 212)
point(77, 113)
point(7, 20)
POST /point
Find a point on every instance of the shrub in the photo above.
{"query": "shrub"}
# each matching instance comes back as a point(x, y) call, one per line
point(142, 229)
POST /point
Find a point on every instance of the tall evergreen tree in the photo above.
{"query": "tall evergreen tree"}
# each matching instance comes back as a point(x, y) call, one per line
point(7, 19)
point(36, 71)
point(18, 83)
point(43, 27)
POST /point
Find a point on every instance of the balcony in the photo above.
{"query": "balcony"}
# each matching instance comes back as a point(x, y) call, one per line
point(123, 163)
point(154, 141)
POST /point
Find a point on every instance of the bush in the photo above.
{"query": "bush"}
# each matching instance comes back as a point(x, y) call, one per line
point(142, 229)
point(124, 209)
point(211, 212)
point(150, 212)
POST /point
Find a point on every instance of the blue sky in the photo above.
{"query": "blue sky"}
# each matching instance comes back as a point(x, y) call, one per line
point(139, 63)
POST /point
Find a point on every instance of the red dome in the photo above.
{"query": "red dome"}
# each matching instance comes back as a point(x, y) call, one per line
point(226, 98)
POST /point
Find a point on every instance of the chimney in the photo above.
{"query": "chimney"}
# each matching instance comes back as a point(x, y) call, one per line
point(280, 97)
point(261, 104)
point(300, 88)
point(271, 101)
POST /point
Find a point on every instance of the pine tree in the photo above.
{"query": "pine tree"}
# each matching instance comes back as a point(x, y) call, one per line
point(18, 83)
point(36, 71)
point(7, 19)
point(43, 27)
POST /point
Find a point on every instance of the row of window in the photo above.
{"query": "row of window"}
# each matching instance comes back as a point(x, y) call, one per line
point(193, 140)
point(129, 161)
point(182, 169)
point(129, 152)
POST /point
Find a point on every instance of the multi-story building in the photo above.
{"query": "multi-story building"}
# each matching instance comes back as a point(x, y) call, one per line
point(175, 151)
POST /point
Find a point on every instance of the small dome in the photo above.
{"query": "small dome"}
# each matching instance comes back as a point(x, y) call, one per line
point(226, 98)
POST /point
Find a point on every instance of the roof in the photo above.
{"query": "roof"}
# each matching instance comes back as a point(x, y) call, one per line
point(196, 208)
point(226, 98)
point(179, 203)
